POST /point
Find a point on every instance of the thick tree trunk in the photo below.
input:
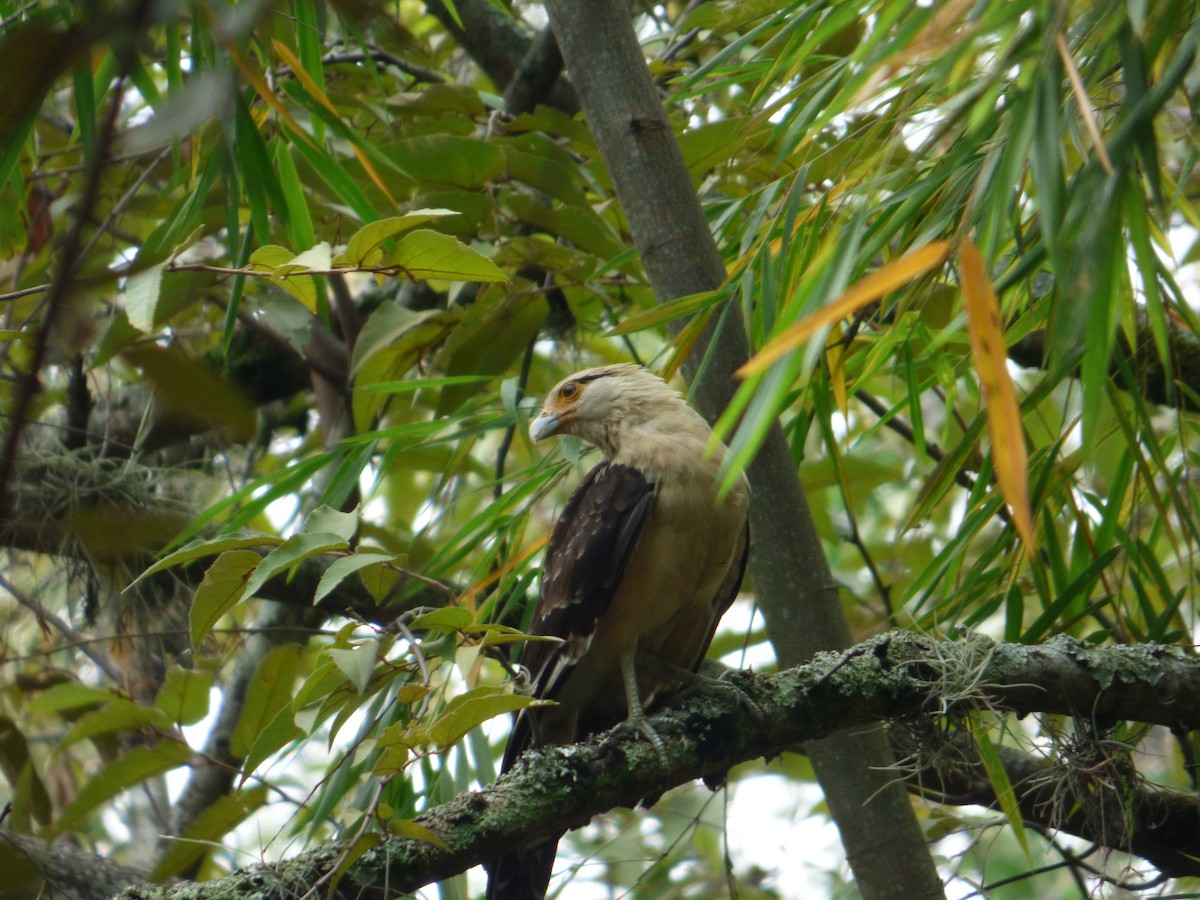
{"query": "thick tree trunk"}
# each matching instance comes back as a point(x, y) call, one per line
point(792, 581)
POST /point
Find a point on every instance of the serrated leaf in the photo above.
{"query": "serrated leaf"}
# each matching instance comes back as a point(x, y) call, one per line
point(136, 766)
point(347, 565)
point(473, 708)
point(223, 585)
point(184, 694)
point(266, 724)
point(295, 549)
point(1003, 412)
point(212, 824)
point(365, 247)
point(426, 254)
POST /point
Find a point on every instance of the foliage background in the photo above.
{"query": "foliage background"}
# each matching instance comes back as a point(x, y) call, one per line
point(281, 285)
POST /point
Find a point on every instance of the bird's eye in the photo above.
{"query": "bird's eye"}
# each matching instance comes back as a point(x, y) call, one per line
point(569, 390)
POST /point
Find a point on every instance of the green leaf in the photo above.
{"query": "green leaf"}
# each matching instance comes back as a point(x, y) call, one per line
point(136, 766)
point(68, 696)
point(989, 755)
point(365, 247)
point(356, 663)
point(449, 618)
point(491, 338)
point(347, 565)
point(200, 548)
point(266, 724)
point(141, 297)
point(193, 391)
point(30, 799)
point(271, 258)
point(295, 549)
point(184, 694)
point(332, 521)
point(415, 831)
point(223, 585)
point(394, 330)
point(473, 708)
point(445, 159)
point(317, 258)
point(117, 714)
point(213, 823)
point(428, 254)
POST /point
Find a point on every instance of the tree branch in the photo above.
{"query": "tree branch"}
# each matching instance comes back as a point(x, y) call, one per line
point(708, 731)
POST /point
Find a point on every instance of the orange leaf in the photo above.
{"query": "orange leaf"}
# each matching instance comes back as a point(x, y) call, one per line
point(251, 75)
point(1003, 412)
point(899, 272)
point(310, 84)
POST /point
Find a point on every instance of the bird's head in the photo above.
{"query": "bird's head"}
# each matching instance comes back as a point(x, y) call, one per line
point(598, 404)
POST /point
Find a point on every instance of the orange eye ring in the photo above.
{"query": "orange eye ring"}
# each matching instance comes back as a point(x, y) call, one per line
point(569, 390)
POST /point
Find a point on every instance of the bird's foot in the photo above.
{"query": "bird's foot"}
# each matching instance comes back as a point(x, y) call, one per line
point(717, 678)
point(639, 723)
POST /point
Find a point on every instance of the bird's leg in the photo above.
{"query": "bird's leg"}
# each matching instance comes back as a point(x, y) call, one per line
point(717, 678)
point(637, 715)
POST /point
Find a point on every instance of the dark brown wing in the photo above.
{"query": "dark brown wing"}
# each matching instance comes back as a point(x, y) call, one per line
point(589, 550)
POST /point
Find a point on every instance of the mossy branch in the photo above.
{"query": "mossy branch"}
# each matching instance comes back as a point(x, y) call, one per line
point(896, 676)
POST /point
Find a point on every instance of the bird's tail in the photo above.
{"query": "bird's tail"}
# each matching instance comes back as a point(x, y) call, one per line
point(523, 874)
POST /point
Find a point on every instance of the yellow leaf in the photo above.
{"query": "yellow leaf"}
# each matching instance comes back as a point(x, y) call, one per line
point(1003, 412)
point(835, 354)
point(251, 75)
point(314, 89)
point(896, 274)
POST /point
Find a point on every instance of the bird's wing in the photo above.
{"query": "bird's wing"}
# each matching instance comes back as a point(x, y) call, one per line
point(728, 591)
point(589, 550)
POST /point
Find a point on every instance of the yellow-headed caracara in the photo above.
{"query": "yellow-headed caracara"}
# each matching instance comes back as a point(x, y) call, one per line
point(643, 562)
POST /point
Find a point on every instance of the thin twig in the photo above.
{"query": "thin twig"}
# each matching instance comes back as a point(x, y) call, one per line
point(74, 637)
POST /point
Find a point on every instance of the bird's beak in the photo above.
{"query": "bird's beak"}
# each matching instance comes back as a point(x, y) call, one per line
point(543, 426)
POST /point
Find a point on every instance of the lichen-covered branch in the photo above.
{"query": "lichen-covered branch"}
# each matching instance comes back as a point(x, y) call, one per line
point(709, 730)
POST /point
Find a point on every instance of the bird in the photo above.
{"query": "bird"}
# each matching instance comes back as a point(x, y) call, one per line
point(645, 558)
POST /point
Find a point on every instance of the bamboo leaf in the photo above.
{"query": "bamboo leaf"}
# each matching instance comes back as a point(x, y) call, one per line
point(213, 823)
point(1003, 412)
point(896, 274)
point(989, 755)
